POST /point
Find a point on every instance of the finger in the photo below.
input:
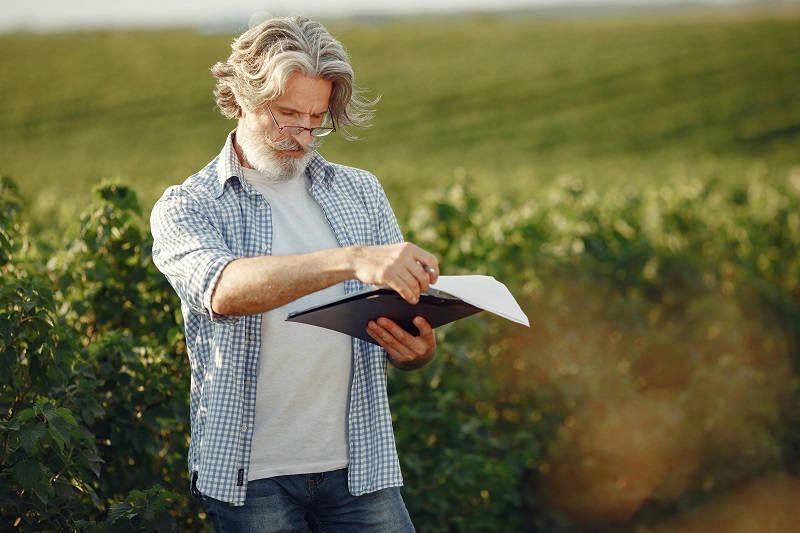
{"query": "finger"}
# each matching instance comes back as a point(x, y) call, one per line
point(406, 345)
point(422, 279)
point(396, 336)
point(418, 274)
point(428, 276)
point(429, 264)
point(434, 276)
point(387, 339)
point(426, 339)
point(408, 286)
point(425, 329)
point(430, 272)
point(373, 332)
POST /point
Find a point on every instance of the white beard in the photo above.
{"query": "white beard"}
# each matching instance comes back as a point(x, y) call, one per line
point(263, 154)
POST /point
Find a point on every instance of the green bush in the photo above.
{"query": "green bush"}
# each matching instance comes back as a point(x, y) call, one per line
point(95, 384)
point(643, 304)
point(661, 365)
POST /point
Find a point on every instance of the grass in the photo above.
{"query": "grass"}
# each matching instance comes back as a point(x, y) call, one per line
point(513, 102)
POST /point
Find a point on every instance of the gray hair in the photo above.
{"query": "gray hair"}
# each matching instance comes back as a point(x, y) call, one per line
point(265, 56)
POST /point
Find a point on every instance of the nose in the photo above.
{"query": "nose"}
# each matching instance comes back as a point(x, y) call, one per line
point(303, 138)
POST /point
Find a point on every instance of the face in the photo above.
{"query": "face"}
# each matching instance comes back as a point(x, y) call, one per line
point(261, 146)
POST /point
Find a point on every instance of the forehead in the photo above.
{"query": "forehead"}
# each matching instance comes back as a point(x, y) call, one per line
point(305, 94)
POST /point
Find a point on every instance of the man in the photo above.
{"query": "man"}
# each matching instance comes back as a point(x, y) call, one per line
point(291, 427)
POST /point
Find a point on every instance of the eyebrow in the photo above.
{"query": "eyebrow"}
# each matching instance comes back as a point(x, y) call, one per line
point(290, 109)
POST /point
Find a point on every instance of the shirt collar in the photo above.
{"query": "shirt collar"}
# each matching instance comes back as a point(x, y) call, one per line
point(320, 171)
point(229, 166)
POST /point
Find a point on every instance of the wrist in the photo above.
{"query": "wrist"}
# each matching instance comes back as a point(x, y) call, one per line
point(352, 256)
point(413, 364)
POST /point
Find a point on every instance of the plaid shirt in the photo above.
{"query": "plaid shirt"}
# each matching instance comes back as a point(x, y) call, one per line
point(199, 227)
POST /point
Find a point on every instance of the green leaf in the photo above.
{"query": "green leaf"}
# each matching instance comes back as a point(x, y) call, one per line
point(63, 413)
point(59, 431)
point(135, 495)
point(28, 473)
point(119, 510)
point(43, 491)
point(25, 415)
point(11, 425)
point(49, 410)
point(46, 407)
point(29, 437)
point(31, 304)
point(91, 410)
point(93, 460)
point(87, 489)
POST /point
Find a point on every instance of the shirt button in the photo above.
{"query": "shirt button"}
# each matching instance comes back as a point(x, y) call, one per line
point(252, 337)
point(264, 247)
point(244, 428)
point(247, 383)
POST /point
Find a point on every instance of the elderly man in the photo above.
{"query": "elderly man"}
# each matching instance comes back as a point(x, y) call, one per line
point(291, 426)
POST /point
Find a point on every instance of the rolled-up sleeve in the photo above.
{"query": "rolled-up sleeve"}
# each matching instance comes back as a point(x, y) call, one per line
point(189, 249)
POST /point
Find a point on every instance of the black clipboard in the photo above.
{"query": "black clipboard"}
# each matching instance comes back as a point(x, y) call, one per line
point(351, 313)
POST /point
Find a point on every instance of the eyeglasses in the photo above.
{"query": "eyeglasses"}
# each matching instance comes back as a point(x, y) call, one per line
point(297, 130)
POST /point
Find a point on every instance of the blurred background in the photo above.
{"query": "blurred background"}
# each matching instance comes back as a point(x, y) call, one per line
point(630, 169)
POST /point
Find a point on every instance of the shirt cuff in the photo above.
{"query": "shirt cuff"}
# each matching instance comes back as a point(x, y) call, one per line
point(212, 276)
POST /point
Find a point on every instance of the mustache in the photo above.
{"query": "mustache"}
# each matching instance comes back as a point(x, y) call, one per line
point(291, 144)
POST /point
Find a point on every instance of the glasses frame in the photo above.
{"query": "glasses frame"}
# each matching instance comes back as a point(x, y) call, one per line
point(319, 131)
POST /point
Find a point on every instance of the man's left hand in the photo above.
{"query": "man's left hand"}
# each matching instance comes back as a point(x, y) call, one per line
point(406, 351)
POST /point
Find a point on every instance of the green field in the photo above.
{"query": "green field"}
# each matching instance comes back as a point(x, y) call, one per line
point(516, 102)
point(634, 180)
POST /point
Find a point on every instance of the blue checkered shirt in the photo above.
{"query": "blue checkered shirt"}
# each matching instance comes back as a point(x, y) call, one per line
point(199, 227)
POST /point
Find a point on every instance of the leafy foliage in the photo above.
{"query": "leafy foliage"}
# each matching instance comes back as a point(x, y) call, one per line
point(94, 385)
point(148, 510)
point(128, 319)
point(644, 305)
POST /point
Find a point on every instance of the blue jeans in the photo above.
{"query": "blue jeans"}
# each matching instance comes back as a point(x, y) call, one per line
point(319, 502)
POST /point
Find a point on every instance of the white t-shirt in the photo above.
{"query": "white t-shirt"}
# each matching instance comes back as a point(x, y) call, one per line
point(304, 372)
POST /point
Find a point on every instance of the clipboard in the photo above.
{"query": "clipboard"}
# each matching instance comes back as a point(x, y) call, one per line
point(349, 314)
point(451, 298)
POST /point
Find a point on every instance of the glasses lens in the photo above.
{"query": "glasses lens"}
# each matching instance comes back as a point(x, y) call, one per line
point(292, 130)
point(321, 132)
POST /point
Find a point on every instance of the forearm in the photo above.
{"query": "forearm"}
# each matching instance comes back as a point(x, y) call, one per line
point(252, 285)
point(257, 284)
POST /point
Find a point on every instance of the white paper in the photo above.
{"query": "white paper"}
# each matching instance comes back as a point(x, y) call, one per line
point(484, 292)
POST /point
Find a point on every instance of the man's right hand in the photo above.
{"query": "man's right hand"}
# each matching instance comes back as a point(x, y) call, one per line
point(401, 267)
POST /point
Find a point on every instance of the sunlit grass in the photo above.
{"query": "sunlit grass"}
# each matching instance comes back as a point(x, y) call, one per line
point(517, 102)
